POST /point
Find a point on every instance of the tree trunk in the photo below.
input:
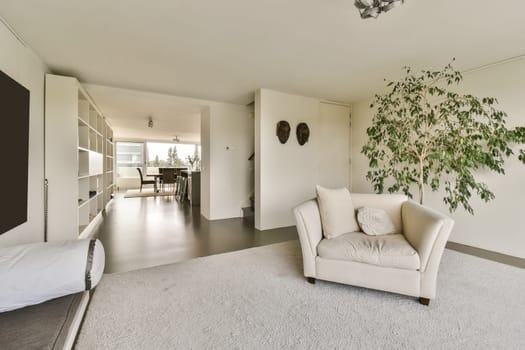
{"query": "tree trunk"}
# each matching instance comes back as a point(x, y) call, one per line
point(421, 183)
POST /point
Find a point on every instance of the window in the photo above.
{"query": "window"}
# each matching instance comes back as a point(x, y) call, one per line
point(150, 156)
point(167, 155)
point(130, 156)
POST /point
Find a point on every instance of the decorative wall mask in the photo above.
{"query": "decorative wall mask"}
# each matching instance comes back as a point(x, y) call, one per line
point(283, 131)
point(303, 133)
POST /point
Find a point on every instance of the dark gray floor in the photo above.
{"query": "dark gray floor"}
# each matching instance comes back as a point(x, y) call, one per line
point(145, 232)
point(151, 231)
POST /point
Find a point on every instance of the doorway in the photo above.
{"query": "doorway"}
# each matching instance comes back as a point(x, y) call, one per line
point(149, 157)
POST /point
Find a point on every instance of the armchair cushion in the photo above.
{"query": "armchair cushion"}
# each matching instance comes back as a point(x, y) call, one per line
point(375, 222)
point(387, 251)
point(391, 203)
point(337, 211)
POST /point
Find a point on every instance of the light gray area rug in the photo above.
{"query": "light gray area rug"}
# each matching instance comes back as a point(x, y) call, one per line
point(147, 193)
point(258, 299)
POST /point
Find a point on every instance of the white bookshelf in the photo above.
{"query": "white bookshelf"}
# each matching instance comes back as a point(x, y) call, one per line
point(77, 167)
point(109, 175)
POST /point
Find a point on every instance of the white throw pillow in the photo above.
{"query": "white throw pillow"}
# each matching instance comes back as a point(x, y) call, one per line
point(36, 272)
point(337, 211)
point(375, 222)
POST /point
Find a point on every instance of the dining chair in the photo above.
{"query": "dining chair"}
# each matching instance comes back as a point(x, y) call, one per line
point(182, 188)
point(144, 182)
point(168, 178)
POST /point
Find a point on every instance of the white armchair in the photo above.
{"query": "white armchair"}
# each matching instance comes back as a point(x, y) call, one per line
point(406, 262)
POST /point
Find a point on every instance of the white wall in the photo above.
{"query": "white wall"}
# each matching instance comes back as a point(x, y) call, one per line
point(21, 64)
point(286, 174)
point(334, 145)
point(498, 225)
point(205, 162)
point(230, 140)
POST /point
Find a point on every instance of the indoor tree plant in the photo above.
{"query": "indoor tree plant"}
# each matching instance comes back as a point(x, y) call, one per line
point(424, 133)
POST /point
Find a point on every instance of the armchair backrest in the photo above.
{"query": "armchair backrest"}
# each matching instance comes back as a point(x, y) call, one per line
point(309, 221)
point(391, 203)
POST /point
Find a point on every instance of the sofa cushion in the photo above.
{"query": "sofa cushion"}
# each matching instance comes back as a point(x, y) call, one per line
point(391, 203)
point(337, 211)
point(375, 222)
point(387, 251)
point(43, 326)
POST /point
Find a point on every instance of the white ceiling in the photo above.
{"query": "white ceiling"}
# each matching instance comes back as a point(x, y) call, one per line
point(224, 50)
point(128, 112)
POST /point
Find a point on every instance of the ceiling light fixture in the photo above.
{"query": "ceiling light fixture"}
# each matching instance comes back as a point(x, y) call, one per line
point(176, 139)
point(150, 122)
point(373, 8)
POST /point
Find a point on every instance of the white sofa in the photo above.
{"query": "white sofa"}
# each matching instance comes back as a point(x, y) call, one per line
point(406, 262)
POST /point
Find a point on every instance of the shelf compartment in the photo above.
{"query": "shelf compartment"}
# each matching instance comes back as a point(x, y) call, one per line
point(83, 191)
point(93, 115)
point(92, 140)
point(100, 182)
point(82, 122)
point(100, 124)
point(83, 163)
point(83, 135)
point(99, 144)
point(83, 110)
point(109, 179)
point(92, 210)
point(83, 217)
point(94, 186)
point(95, 163)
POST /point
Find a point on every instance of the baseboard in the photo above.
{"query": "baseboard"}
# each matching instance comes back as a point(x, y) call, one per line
point(487, 254)
point(108, 204)
point(90, 230)
point(77, 321)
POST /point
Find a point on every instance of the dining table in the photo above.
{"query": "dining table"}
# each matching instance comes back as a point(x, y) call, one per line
point(158, 176)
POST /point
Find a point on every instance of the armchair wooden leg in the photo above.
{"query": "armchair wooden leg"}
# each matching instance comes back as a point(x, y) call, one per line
point(310, 280)
point(424, 301)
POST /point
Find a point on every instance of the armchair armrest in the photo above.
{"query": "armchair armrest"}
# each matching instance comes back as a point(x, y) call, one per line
point(308, 223)
point(427, 231)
